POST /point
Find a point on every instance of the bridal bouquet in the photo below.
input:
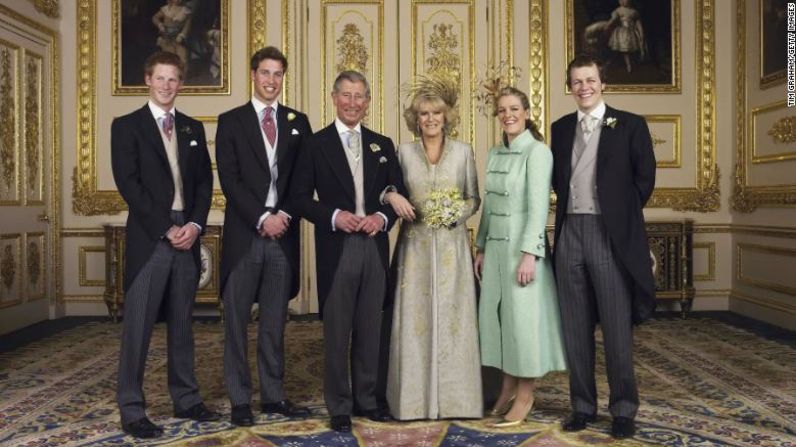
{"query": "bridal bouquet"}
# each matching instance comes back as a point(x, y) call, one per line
point(443, 207)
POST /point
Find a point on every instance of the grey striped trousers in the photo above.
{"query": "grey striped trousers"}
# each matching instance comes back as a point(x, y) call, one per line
point(592, 284)
point(168, 275)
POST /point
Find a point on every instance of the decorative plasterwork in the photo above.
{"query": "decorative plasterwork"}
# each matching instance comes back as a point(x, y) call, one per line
point(47, 7)
point(747, 198)
point(352, 54)
point(8, 123)
point(8, 267)
point(705, 197)
point(33, 128)
point(537, 63)
point(784, 130)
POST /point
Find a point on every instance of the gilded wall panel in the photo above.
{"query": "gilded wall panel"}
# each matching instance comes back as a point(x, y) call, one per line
point(443, 34)
point(10, 178)
point(35, 271)
point(666, 139)
point(766, 267)
point(704, 261)
point(772, 137)
point(11, 269)
point(33, 132)
point(765, 142)
point(97, 255)
point(353, 39)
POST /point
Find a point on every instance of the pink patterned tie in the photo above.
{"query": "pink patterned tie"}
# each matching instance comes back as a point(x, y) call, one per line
point(268, 126)
point(168, 125)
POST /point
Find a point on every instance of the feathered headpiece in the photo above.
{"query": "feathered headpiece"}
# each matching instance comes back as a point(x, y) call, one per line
point(491, 83)
point(433, 86)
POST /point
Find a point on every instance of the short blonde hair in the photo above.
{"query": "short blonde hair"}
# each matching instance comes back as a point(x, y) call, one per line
point(411, 113)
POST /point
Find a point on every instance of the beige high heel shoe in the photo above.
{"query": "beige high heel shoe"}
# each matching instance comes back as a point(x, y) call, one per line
point(511, 423)
point(500, 411)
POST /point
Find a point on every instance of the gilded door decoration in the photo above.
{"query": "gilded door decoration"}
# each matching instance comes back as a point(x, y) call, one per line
point(353, 55)
point(32, 125)
point(34, 263)
point(444, 63)
point(784, 130)
point(8, 122)
point(7, 267)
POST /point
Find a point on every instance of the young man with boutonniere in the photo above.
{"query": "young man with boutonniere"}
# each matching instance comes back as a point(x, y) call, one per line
point(342, 164)
point(256, 149)
point(604, 173)
point(162, 170)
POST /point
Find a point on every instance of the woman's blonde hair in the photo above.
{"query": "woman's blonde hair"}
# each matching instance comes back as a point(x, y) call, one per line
point(412, 112)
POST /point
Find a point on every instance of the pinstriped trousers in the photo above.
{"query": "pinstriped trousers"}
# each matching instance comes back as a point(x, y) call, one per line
point(262, 275)
point(169, 274)
point(591, 285)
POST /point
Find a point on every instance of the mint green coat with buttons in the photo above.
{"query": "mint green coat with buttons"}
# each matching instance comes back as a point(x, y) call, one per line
point(520, 327)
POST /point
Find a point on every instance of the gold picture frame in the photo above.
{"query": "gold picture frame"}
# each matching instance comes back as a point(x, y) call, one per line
point(200, 37)
point(772, 36)
point(647, 61)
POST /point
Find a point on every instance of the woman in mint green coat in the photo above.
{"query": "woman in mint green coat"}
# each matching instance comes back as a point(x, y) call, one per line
point(519, 320)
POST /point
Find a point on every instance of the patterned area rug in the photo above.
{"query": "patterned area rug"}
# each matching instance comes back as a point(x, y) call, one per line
point(702, 383)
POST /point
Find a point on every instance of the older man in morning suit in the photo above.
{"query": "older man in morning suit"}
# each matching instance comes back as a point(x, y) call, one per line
point(256, 148)
point(604, 173)
point(162, 170)
point(348, 165)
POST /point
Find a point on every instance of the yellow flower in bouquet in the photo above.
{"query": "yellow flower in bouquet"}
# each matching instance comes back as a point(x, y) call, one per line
point(443, 207)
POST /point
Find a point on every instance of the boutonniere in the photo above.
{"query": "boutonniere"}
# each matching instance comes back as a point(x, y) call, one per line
point(375, 147)
point(383, 159)
point(291, 116)
point(186, 129)
point(610, 122)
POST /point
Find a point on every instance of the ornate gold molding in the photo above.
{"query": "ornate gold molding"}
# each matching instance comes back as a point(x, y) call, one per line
point(784, 130)
point(8, 125)
point(351, 51)
point(82, 266)
point(677, 152)
point(8, 267)
point(757, 282)
point(711, 249)
point(764, 302)
point(465, 101)
point(706, 196)
point(538, 63)
point(747, 198)
point(47, 7)
point(34, 262)
point(32, 125)
point(49, 39)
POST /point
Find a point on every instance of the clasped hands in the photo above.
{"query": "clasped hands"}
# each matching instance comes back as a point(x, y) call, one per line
point(274, 226)
point(351, 223)
point(182, 237)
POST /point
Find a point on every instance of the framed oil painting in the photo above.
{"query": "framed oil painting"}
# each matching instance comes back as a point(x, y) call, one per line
point(637, 40)
point(773, 42)
point(196, 30)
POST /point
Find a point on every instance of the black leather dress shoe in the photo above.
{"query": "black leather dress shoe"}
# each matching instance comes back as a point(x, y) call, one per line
point(198, 412)
point(242, 416)
point(142, 428)
point(623, 428)
point(577, 421)
point(341, 423)
point(286, 408)
point(377, 415)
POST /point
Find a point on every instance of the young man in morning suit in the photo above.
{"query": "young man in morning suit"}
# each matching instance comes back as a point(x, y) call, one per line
point(604, 173)
point(256, 148)
point(349, 165)
point(162, 170)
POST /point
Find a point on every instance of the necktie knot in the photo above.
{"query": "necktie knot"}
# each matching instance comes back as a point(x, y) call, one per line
point(269, 128)
point(168, 125)
point(588, 123)
point(353, 143)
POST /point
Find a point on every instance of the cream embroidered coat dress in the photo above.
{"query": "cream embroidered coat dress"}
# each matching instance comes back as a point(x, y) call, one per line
point(434, 369)
point(519, 326)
